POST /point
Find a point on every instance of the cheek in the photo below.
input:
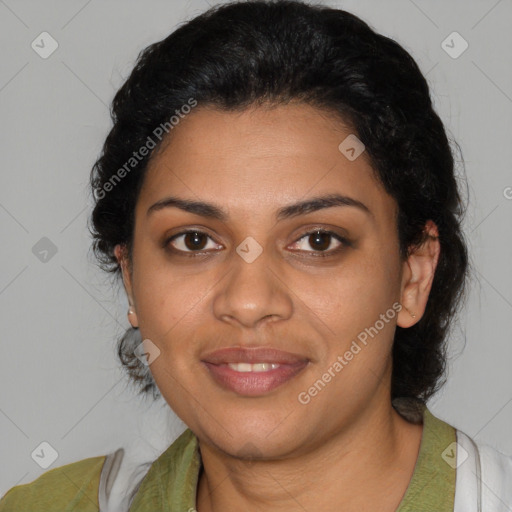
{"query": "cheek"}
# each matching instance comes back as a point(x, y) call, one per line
point(165, 294)
point(352, 309)
point(351, 293)
point(167, 305)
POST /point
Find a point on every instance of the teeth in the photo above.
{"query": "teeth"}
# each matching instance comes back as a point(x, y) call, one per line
point(247, 367)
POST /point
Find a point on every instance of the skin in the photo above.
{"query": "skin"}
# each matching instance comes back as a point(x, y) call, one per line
point(347, 445)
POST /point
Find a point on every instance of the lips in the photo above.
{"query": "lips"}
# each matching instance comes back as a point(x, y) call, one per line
point(253, 356)
point(284, 366)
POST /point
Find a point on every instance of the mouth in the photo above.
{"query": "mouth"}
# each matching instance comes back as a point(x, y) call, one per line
point(253, 371)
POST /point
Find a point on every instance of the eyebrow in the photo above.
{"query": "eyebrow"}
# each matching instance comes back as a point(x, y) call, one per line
point(212, 211)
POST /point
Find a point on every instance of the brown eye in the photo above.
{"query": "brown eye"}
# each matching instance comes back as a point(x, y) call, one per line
point(321, 241)
point(194, 241)
point(191, 241)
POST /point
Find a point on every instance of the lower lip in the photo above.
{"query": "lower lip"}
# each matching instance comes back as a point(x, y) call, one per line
point(253, 383)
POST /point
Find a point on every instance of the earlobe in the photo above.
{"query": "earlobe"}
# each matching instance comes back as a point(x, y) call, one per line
point(410, 312)
point(418, 276)
point(121, 257)
point(132, 317)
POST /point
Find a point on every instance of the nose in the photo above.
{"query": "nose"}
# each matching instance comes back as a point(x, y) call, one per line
point(252, 292)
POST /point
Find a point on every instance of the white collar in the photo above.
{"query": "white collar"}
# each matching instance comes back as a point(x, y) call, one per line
point(483, 477)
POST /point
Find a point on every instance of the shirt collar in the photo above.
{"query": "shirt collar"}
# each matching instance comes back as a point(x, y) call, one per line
point(432, 486)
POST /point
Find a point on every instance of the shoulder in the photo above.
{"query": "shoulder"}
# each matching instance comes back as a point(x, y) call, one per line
point(494, 460)
point(496, 476)
point(484, 475)
point(70, 487)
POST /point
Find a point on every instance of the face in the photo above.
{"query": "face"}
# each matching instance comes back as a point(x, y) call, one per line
point(305, 281)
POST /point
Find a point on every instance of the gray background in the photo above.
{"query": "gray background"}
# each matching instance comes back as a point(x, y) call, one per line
point(61, 381)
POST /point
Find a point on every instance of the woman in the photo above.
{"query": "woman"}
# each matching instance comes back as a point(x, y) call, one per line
point(279, 198)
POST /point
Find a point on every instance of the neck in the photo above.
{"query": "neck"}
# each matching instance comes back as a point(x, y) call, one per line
point(366, 466)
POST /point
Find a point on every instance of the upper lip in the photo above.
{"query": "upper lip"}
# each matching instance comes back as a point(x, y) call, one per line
point(253, 355)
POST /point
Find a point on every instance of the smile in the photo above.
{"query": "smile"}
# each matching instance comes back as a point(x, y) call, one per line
point(253, 379)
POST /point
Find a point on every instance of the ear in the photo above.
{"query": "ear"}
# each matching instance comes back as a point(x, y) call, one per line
point(122, 259)
point(417, 277)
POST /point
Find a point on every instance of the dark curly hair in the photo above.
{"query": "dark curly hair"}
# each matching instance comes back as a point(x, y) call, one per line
point(249, 53)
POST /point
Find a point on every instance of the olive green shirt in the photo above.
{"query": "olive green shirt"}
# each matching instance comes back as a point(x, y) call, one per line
point(170, 485)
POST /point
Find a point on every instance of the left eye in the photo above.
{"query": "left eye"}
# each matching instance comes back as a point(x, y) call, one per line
point(321, 241)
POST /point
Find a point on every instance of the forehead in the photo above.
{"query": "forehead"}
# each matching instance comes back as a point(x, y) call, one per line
point(259, 159)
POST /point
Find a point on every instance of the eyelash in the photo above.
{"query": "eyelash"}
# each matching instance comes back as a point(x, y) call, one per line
point(322, 254)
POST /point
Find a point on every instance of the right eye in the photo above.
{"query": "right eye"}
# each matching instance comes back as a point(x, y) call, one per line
point(190, 241)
